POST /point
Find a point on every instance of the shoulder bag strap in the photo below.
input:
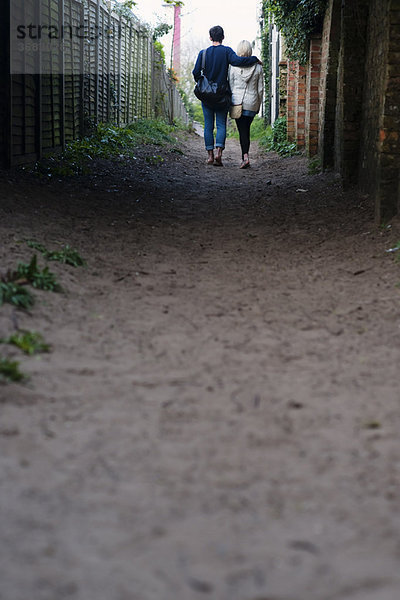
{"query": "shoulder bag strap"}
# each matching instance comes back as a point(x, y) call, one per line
point(244, 93)
point(203, 62)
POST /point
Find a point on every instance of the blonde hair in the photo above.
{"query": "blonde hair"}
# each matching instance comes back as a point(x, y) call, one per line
point(244, 48)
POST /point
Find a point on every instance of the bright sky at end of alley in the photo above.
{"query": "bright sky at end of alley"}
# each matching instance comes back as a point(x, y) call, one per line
point(239, 19)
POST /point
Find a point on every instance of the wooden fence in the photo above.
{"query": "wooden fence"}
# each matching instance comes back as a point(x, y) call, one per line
point(102, 67)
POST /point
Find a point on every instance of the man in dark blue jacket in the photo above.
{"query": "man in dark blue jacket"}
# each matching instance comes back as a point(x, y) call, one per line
point(218, 59)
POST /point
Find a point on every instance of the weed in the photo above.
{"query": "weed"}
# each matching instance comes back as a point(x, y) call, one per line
point(15, 294)
point(41, 279)
point(9, 371)
point(154, 160)
point(36, 246)
point(29, 342)
point(314, 166)
point(395, 248)
point(384, 226)
point(66, 255)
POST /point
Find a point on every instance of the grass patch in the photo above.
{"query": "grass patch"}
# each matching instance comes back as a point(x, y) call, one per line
point(108, 142)
point(275, 139)
point(258, 129)
point(30, 342)
point(66, 255)
point(9, 371)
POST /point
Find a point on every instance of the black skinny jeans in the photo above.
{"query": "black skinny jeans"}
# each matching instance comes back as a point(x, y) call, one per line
point(243, 125)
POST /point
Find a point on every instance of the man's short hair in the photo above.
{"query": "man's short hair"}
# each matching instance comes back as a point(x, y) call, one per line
point(217, 33)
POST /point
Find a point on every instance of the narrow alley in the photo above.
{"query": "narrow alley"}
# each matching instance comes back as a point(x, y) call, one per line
point(218, 417)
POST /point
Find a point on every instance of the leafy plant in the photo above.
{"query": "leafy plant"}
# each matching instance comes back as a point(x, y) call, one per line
point(29, 342)
point(314, 166)
point(36, 246)
point(9, 370)
point(15, 294)
point(124, 9)
point(173, 76)
point(160, 49)
point(66, 255)
point(160, 30)
point(41, 279)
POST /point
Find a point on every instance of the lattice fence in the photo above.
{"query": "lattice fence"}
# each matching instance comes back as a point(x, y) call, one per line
point(104, 68)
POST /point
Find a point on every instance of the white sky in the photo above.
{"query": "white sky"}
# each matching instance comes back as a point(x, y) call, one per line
point(239, 18)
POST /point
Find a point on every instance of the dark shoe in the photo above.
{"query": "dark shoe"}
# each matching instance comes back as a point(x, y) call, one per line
point(245, 164)
point(218, 158)
point(210, 160)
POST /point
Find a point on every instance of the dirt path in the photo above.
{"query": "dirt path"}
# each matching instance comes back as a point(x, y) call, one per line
point(219, 416)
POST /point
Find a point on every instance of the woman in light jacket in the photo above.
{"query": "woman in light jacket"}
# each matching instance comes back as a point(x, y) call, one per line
point(247, 85)
point(218, 59)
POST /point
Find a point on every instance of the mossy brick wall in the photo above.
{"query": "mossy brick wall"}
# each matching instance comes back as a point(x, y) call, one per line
point(350, 88)
point(380, 140)
point(388, 200)
point(374, 96)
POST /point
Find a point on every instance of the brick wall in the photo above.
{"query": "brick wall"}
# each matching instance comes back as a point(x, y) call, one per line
point(300, 106)
point(302, 103)
point(389, 135)
point(350, 111)
point(375, 82)
point(313, 96)
point(350, 87)
point(291, 100)
point(328, 82)
point(296, 103)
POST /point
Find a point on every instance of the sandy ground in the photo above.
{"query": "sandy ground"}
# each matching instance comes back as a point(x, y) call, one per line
point(219, 417)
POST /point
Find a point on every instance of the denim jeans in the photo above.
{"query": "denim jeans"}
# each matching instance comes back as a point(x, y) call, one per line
point(220, 119)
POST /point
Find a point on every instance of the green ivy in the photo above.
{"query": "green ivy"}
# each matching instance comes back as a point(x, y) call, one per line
point(298, 20)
